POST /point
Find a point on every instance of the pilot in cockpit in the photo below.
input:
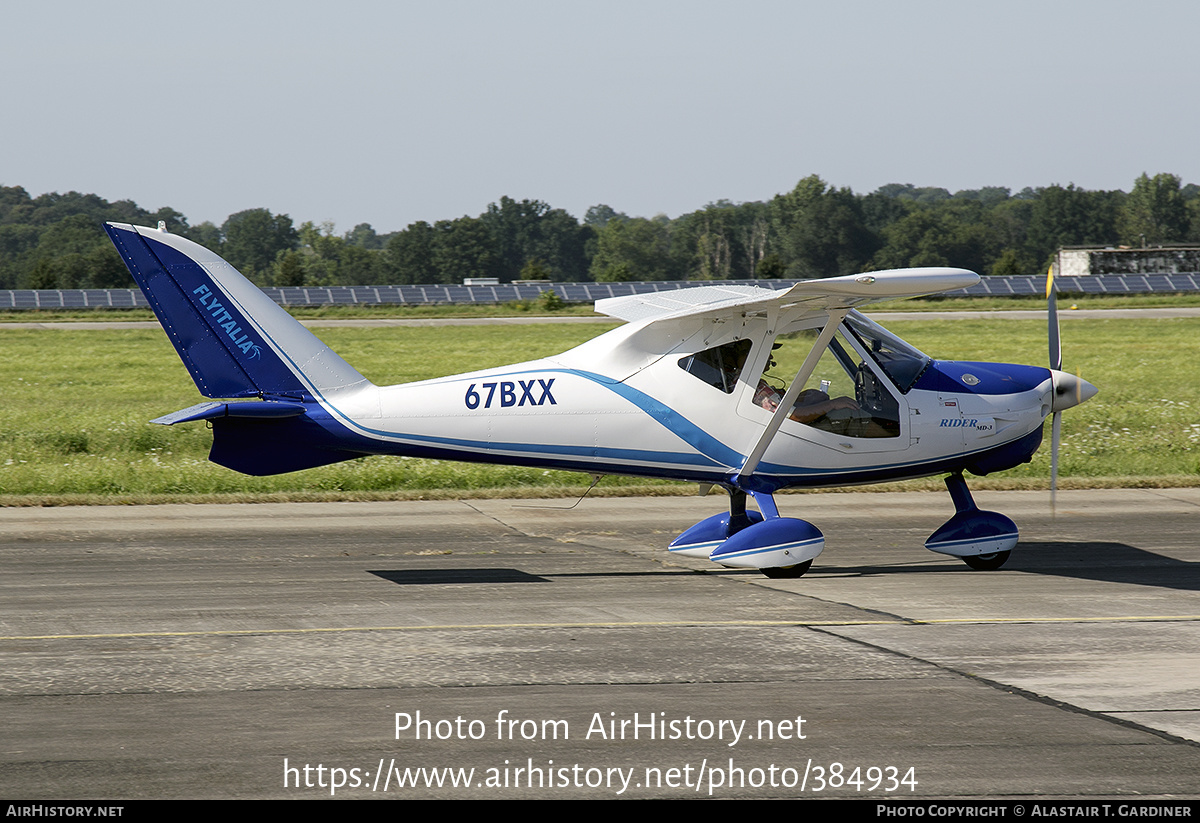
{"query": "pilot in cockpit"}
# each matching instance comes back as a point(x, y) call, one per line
point(815, 407)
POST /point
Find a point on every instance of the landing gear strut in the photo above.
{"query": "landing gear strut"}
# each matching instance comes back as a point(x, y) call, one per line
point(981, 539)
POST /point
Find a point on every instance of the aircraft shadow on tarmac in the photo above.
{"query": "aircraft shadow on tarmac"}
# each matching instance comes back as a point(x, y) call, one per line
point(1102, 561)
point(418, 577)
point(426, 577)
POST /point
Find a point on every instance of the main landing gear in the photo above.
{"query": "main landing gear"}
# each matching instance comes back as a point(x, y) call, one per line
point(788, 572)
point(780, 547)
point(785, 547)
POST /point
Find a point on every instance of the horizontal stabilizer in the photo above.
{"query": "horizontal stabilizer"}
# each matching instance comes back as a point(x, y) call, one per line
point(267, 437)
point(268, 410)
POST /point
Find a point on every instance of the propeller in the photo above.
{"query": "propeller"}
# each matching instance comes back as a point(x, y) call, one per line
point(1056, 364)
point(1052, 317)
point(1068, 389)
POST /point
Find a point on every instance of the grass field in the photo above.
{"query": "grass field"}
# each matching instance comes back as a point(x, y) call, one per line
point(74, 406)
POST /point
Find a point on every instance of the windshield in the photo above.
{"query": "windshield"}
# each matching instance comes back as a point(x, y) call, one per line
point(899, 361)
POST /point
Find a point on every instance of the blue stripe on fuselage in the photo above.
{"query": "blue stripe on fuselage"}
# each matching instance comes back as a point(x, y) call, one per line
point(713, 453)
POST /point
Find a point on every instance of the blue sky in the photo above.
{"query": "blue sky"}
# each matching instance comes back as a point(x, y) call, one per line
point(391, 112)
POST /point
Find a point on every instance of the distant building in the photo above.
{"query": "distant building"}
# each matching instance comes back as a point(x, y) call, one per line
point(1075, 261)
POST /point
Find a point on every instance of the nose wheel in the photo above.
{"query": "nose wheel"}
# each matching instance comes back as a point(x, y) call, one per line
point(987, 562)
point(981, 539)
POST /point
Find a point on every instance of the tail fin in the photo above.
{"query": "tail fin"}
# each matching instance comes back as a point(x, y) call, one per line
point(234, 340)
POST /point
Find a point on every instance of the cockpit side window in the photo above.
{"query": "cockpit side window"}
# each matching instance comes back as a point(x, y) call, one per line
point(843, 396)
point(720, 366)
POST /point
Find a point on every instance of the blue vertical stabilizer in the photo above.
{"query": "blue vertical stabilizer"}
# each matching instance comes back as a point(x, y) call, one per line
point(234, 340)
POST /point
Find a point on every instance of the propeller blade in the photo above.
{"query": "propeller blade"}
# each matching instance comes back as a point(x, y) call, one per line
point(1055, 436)
point(1052, 321)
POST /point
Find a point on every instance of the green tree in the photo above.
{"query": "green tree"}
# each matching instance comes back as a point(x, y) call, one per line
point(62, 236)
point(464, 248)
point(881, 210)
point(1069, 216)
point(549, 300)
point(754, 238)
point(529, 229)
point(106, 270)
point(17, 240)
point(535, 270)
point(771, 267)
point(634, 249)
point(364, 237)
point(822, 230)
point(76, 234)
point(330, 260)
point(599, 215)
point(988, 195)
point(253, 240)
point(410, 255)
point(289, 270)
point(358, 266)
point(207, 235)
point(43, 275)
point(616, 273)
point(1009, 264)
point(1155, 211)
point(1009, 222)
point(941, 236)
point(926, 196)
point(12, 197)
point(705, 243)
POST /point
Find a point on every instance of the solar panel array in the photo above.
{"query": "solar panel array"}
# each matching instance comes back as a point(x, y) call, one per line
point(575, 292)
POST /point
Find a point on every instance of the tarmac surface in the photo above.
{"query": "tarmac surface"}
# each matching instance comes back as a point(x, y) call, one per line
point(273, 650)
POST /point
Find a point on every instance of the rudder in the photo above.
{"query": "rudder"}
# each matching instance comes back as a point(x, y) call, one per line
point(233, 339)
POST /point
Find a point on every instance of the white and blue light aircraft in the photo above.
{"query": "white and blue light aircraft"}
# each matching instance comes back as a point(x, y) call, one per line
point(749, 389)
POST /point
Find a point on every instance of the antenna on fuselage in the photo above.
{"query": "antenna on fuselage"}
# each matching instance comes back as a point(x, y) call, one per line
point(596, 478)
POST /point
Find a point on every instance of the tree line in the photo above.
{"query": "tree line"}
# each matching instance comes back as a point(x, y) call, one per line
point(814, 230)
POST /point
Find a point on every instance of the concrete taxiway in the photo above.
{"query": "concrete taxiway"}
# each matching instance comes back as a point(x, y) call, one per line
point(273, 650)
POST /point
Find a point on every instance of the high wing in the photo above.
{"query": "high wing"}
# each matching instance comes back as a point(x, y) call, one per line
point(815, 296)
point(661, 321)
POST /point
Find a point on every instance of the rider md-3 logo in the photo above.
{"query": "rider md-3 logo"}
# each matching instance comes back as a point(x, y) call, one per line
point(980, 425)
point(507, 396)
point(225, 320)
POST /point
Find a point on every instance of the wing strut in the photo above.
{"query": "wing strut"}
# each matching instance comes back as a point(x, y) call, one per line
point(785, 405)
